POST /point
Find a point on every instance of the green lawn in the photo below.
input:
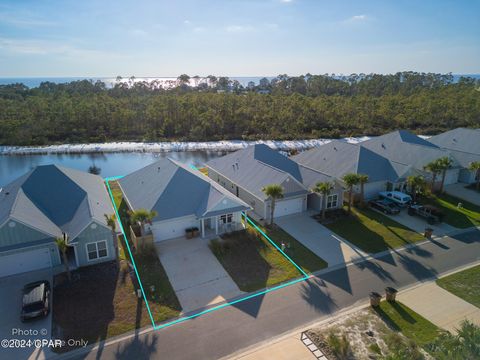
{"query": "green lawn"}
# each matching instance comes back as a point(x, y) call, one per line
point(467, 216)
point(301, 255)
point(401, 318)
point(372, 231)
point(464, 284)
point(251, 261)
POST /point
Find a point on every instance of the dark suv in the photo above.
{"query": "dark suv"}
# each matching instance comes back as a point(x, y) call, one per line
point(35, 300)
point(385, 205)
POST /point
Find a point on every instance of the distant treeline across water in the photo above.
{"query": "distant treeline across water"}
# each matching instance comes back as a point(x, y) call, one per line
point(219, 108)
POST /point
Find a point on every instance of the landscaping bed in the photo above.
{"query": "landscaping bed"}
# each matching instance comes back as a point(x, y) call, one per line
point(251, 261)
point(375, 334)
point(372, 231)
point(464, 284)
point(466, 216)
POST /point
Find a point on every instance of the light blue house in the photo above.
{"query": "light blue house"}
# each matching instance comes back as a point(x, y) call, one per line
point(46, 203)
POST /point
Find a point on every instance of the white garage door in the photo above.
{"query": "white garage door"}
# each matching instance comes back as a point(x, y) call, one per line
point(172, 229)
point(25, 261)
point(287, 207)
point(451, 177)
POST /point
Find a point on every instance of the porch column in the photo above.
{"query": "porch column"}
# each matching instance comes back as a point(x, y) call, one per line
point(203, 227)
point(216, 225)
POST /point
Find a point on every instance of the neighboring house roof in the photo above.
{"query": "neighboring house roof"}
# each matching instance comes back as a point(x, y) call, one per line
point(258, 165)
point(175, 190)
point(55, 200)
point(406, 148)
point(463, 143)
point(338, 158)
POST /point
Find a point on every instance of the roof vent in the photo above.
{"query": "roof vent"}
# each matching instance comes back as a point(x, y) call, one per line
point(454, 140)
point(233, 165)
point(383, 146)
point(334, 148)
point(158, 169)
point(236, 164)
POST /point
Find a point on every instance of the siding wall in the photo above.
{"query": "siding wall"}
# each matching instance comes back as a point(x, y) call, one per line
point(257, 204)
point(466, 176)
point(93, 235)
point(14, 236)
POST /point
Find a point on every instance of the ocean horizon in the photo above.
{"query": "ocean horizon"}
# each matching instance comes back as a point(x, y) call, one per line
point(33, 82)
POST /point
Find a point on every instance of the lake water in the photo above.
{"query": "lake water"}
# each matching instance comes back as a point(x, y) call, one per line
point(111, 164)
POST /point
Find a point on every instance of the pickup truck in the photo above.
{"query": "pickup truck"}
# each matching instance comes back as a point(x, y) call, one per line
point(430, 213)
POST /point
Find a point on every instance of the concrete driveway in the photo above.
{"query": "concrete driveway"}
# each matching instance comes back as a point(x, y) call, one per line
point(460, 191)
point(10, 307)
point(419, 224)
point(319, 239)
point(197, 277)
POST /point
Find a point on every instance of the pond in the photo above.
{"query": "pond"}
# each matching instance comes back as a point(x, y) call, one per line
point(109, 164)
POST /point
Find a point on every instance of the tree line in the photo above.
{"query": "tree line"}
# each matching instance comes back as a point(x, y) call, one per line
point(309, 106)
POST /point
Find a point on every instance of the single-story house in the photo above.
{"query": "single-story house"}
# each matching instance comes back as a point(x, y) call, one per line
point(46, 203)
point(338, 158)
point(183, 198)
point(406, 148)
point(464, 145)
point(246, 172)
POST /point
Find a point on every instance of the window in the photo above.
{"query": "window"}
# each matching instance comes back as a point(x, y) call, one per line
point(332, 201)
point(97, 250)
point(226, 219)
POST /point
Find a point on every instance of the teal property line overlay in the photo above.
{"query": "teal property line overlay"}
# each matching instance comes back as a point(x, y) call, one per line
point(107, 181)
point(218, 307)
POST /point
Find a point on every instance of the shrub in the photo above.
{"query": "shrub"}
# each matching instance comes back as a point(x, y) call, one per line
point(340, 346)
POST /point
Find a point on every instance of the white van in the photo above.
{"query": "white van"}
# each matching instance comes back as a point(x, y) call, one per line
point(397, 197)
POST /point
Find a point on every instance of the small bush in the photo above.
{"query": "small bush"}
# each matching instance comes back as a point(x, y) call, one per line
point(340, 346)
point(401, 348)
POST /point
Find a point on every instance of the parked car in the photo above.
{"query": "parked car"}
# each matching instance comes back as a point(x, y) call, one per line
point(35, 300)
point(385, 205)
point(430, 213)
point(397, 197)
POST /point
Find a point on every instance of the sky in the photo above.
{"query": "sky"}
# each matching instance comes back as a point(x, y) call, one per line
point(97, 38)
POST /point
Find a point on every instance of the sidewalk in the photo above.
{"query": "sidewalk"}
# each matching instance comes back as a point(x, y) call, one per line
point(285, 349)
point(439, 306)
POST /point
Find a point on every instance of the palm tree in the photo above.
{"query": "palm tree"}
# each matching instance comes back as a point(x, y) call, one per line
point(112, 224)
point(416, 182)
point(463, 345)
point(62, 244)
point(475, 166)
point(323, 188)
point(434, 168)
point(350, 180)
point(362, 180)
point(444, 163)
point(274, 192)
point(143, 216)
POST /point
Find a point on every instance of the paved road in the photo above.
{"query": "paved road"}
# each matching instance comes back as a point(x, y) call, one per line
point(233, 328)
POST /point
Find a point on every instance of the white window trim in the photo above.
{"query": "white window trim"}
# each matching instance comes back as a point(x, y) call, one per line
point(96, 248)
point(330, 201)
point(226, 219)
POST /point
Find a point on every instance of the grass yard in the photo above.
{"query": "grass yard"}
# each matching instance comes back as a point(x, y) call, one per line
point(372, 231)
point(101, 303)
point(401, 318)
point(464, 284)
point(467, 216)
point(301, 255)
point(251, 261)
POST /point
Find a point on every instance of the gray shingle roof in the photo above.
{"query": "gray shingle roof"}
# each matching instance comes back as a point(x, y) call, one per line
point(406, 148)
point(338, 158)
point(463, 143)
point(55, 199)
point(258, 165)
point(175, 190)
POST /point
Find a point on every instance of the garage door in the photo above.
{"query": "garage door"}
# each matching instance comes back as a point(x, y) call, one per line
point(287, 207)
point(172, 229)
point(25, 261)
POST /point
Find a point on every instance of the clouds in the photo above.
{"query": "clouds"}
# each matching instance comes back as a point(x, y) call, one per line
point(356, 19)
point(239, 28)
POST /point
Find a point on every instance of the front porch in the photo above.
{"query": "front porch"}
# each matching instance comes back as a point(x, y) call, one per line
point(220, 224)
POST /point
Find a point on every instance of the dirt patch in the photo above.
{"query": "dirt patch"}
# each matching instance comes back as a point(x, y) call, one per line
point(367, 335)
